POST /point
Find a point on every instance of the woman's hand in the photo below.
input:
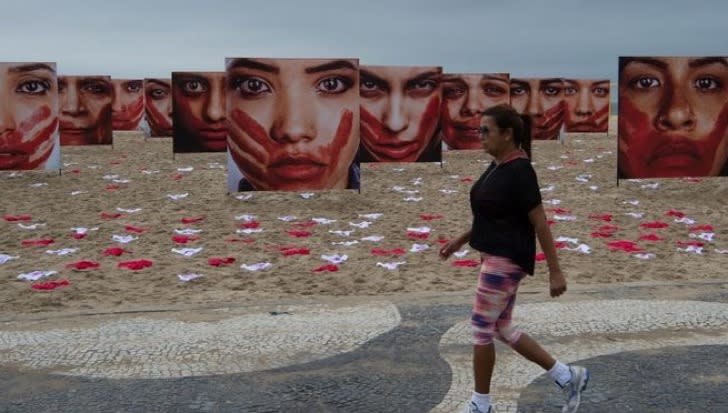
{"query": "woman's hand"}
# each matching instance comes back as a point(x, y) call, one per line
point(557, 283)
point(448, 249)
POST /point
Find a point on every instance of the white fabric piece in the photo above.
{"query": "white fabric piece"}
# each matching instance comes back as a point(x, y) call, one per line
point(705, 236)
point(583, 178)
point(685, 220)
point(110, 177)
point(257, 266)
point(548, 188)
point(186, 169)
point(413, 199)
point(373, 238)
point(287, 218)
point(593, 187)
point(177, 197)
point(63, 251)
point(398, 169)
point(416, 181)
point(343, 233)
point(581, 248)
point(461, 254)
point(129, 210)
point(554, 167)
point(5, 258)
point(335, 258)
point(590, 160)
point(419, 247)
point(82, 230)
point(15, 175)
point(635, 214)
point(632, 202)
point(188, 277)
point(35, 275)
point(391, 265)
point(411, 192)
point(454, 176)
point(31, 226)
point(564, 157)
point(721, 251)
point(124, 239)
point(187, 231)
point(398, 188)
point(215, 165)
point(324, 221)
point(552, 201)
point(375, 215)
point(307, 195)
point(249, 230)
point(74, 193)
point(650, 186)
point(121, 181)
point(564, 217)
point(147, 172)
point(244, 197)
point(363, 224)
point(245, 217)
point(346, 243)
point(38, 185)
point(448, 191)
point(567, 239)
point(421, 230)
point(643, 256)
point(692, 248)
point(187, 252)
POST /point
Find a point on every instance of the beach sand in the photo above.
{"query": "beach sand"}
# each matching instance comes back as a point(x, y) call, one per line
point(48, 198)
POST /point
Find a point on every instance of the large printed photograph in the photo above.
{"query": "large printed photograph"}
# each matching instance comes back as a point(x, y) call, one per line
point(200, 123)
point(543, 100)
point(85, 106)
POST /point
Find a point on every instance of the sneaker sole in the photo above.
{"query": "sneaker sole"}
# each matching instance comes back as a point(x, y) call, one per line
point(582, 387)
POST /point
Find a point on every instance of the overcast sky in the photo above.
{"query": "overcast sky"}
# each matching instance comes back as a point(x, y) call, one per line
point(151, 38)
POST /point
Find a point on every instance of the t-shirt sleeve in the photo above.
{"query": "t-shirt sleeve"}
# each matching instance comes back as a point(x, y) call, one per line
point(528, 194)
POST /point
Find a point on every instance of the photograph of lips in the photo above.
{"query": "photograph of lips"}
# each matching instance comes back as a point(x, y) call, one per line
point(85, 106)
point(465, 97)
point(673, 117)
point(199, 118)
point(400, 111)
point(158, 107)
point(293, 124)
point(587, 105)
point(543, 100)
point(29, 137)
point(127, 109)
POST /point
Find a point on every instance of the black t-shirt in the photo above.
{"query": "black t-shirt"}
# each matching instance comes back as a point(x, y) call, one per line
point(500, 200)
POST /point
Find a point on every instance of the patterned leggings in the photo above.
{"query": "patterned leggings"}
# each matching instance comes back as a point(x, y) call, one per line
point(494, 299)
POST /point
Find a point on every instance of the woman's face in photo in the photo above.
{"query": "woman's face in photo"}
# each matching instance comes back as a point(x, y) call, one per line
point(587, 105)
point(85, 103)
point(400, 109)
point(199, 110)
point(28, 114)
point(128, 106)
point(673, 116)
point(158, 106)
point(543, 101)
point(465, 97)
point(293, 122)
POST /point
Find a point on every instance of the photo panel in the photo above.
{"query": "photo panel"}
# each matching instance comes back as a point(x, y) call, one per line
point(464, 98)
point(400, 111)
point(199, 118)
point(127, 109)
point(293, 124)
point(29, 136)
point(158, 107)
point(587, 105)
point(543, 100)
point(85, 110)
point(673, 117)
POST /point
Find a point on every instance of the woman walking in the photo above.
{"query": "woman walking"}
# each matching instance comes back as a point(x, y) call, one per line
point(507, 217)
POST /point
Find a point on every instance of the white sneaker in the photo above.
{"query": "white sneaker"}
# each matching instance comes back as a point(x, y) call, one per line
point(471, 407)
point(573, 389)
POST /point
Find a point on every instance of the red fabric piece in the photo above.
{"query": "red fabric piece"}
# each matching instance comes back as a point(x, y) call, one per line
point(692, 180)
point(192, 220)
point(133, 229)
point(650, 237)
point(136, 265)
point(600, 234)
point(605, 231)
point(112, 187)
point(561, 244)
point(442, 240)
point(298, 234)
point(701, 228)
point(466, 263)
point(244, 240)
point(540, 257)
point(675, 213)
point(115, 251)
point(560, 211)
point(83, 265)
point(177, 177)
point(16, 218)
point(430, 217)
point(601, 217)
point(79, 235)
point(76, 171)
point(220, 261)
point(550, 222)
point(385, 252)
point(111, 215)
point(685, 244)
point(624, 245)
point(654, 225)
point(295, 251)
point(42, 242)
point(50, 285)
point(418, 235)
point(467, 179)
point(184, 239)
point(250, 224)
point(327, 268)
point(115, 162)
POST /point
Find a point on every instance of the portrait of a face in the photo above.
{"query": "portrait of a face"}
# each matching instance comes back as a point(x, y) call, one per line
point(85, 103)
point(29, 136)
point(673, 117)
point(158, 106)
point(127, 108)
point(465, 97)
point(200, 121)
point(292, 124)
point(587, 105)
point(400, 111)
point(543, 101)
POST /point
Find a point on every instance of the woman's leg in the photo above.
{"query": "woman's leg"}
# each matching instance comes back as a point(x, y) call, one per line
point(483, 363)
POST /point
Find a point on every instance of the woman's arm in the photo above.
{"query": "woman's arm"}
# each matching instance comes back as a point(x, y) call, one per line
point(455, 244)
point(537, 216)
